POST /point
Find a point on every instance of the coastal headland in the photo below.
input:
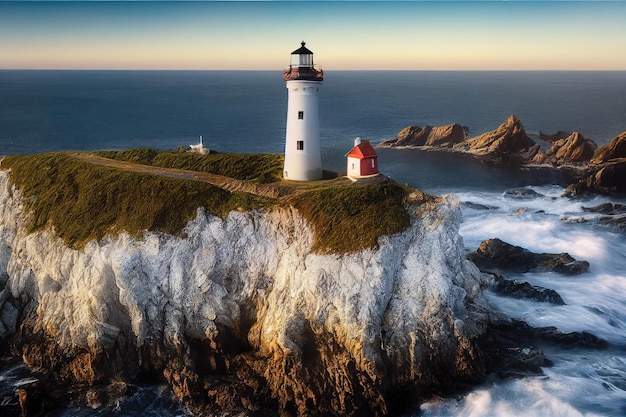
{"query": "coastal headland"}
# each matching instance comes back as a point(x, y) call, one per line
point(244, 292)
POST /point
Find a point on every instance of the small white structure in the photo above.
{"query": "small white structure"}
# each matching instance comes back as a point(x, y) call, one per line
point(199, 148)
point(303, 161)
point(362, 160)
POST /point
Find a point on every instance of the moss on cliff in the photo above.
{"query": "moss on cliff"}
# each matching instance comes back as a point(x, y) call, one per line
point(260, 168)
point(85, 201)
point(351, 218)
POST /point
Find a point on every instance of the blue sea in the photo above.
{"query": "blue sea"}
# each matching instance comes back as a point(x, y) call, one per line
point(241, 111)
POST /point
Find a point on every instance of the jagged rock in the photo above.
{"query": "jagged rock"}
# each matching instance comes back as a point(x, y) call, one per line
point(510, 346)
point(516, 289)
point(608, 178)
point(494, 254)
point(508, 143)
point(438, 136)
point(238, 313)
point(575, 148)
point(615, 149)
point(553, 138)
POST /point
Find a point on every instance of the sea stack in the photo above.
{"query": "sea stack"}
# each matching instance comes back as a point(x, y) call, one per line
point(303, 161)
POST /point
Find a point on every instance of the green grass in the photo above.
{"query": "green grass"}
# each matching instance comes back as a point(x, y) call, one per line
point(84, 201)
point(259, 168)
point(351, 218)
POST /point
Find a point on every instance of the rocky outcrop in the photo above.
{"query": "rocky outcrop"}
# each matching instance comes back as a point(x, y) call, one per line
point(437, 136)
point(573, 149)
point(496, 255)
point(238, 314)
point(606, 178)
point(606, 172)
point(508, 143)
point(516, 289)
point(521, 357)
point(614, 150)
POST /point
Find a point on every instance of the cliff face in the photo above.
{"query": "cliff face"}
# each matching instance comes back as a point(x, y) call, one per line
point(239, 314)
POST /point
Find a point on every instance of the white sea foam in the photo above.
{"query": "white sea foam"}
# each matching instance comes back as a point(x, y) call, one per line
point(529, 397)
point(582, 382)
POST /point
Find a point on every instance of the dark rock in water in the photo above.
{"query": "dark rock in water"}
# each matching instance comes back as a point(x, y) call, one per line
point(615, 214)
point(509, 355)
point(510, 346)
point(607, 208)
point(553, 138)
point(494, 254)
point(614, 150)
point(516, 289)
point(440, 136)
point(615, 221)
point(608, 178)
point(573, 339)
point(573, 149)
point(478, 206)
point(509, 143)
point(524, 193)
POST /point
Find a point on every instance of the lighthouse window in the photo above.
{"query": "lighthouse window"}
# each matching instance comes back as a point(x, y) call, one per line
point(300, 145)
point(300, 115)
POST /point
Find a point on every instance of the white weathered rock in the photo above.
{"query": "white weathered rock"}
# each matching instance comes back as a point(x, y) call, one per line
point(392, 306)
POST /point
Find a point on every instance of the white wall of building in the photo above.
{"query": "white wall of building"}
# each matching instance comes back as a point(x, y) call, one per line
point(303, 164)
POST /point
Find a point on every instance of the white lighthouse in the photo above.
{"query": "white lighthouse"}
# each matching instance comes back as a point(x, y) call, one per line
point(303, 161)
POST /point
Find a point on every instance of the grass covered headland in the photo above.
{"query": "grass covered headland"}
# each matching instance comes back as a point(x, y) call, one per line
point(259, 168)
point(85, 201)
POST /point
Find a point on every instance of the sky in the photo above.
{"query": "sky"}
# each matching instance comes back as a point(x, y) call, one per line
point(260, 35)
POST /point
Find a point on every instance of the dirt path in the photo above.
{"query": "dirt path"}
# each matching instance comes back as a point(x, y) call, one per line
point(226, 183)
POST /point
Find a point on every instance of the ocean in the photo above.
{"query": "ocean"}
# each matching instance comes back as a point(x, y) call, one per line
point(244, 111)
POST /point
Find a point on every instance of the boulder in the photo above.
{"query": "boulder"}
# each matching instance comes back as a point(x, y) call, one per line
point(438, 136)
point(494, 254)
point(607, 208)
point(508, 143)
point(510, 345)
point(516, 289)
point(573, 149)
point(615, 149)
point(608, 178)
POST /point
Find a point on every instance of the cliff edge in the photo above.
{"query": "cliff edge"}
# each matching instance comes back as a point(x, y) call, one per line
point(239, 310)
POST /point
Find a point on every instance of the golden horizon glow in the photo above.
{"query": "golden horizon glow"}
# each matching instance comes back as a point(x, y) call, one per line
point(343, 36)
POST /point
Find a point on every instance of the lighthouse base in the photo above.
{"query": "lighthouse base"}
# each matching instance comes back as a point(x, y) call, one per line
point(302, 175)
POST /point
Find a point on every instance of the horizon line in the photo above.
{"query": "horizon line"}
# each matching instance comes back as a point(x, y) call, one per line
point(332, 70)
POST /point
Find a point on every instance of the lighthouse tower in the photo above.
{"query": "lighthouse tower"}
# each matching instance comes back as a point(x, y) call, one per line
point(303, 161)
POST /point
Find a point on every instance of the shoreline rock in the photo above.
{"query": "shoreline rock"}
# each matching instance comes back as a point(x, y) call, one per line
point(517, 289)
point(438, 136)
point(509, 143)
point(496, 255)
point(615, 149)
point(573, 149)
point(593, 169)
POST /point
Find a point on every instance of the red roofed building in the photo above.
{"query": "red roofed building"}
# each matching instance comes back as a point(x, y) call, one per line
point(362, 160)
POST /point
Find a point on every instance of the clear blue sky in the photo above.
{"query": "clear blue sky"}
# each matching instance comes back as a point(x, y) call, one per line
point(344, 35)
